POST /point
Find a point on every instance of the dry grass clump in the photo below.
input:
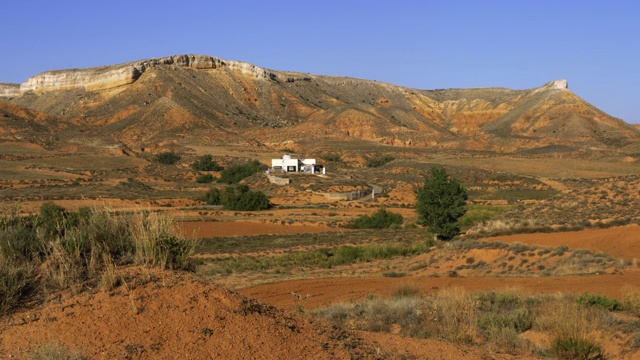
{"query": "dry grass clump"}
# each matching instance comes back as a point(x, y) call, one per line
point(492, 320)
point(572, 326)
point(52, 351)
point(631, 299)
point(63, 250)
point(156, 242)
point(456, 311)
point(506, 226)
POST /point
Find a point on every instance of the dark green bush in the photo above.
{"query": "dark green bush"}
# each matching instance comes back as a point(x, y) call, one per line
point(212, 197)
point(381, 219)
point(242, 199)
point(238, 197)
point(167, 158)
point(233, 174)
point(205, 179)
point(379, 161)
point(205, 163)
point(600, 301)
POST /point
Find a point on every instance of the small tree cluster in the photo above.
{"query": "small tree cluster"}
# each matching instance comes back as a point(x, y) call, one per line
point(233, 174)
point(238, 197)
point(205, 163)
point(167, 158)
point(381, 219)
point(440, 202)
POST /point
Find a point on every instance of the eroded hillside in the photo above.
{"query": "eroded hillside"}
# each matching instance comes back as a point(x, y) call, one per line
point(201, 100)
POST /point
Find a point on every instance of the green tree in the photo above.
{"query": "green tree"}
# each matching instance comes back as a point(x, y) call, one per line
point(440, 202)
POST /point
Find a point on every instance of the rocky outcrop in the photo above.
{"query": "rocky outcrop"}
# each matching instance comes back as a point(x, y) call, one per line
point(9, 90)
point(554, 85)
point(102, 78)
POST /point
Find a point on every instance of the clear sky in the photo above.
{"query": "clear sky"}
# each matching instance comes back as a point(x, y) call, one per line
point(518, 44)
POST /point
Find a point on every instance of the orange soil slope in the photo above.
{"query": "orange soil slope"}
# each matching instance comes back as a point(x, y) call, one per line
point(173, 317)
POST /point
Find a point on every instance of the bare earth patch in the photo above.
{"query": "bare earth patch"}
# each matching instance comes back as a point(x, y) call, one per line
point(173, 316)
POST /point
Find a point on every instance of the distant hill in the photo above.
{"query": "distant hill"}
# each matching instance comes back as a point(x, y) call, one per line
point(201, 100)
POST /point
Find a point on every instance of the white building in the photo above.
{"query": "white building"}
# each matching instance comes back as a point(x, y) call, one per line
point(289, 164)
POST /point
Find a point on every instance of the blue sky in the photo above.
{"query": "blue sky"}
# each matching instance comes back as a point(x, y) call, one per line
point(419, 44)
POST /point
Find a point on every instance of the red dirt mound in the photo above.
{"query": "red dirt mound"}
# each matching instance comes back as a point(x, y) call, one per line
point(173, 316)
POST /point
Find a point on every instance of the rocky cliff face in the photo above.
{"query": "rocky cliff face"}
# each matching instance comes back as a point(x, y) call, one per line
point(103, 78)
point(9, 90)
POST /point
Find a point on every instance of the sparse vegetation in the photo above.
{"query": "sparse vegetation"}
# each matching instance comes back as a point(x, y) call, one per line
point(491, 319)
point(323, 258)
